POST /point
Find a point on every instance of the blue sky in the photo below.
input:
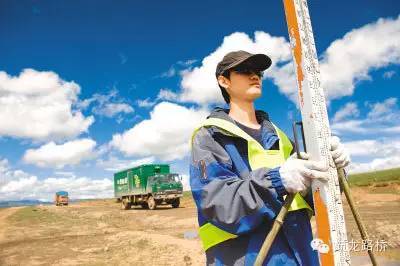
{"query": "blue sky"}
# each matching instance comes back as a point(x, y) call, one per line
point(94, 86)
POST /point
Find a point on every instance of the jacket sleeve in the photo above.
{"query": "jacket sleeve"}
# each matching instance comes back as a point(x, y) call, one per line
point(237, 204)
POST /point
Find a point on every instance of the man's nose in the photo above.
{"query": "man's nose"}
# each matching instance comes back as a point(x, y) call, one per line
point(254, 76)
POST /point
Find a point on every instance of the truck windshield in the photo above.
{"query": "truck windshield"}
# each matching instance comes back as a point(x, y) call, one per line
point(175, 177)
point(168, 178)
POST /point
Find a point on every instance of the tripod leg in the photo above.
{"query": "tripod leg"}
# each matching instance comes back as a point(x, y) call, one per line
point(276, 226)
point(356, 215)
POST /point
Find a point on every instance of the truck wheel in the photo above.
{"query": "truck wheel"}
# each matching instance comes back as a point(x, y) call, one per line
point(151, 203)
point(175, 203)
point(126, 205)
point(144, 205)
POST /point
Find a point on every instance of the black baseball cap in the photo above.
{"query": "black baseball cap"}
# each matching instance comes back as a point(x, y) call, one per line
point(233, 59)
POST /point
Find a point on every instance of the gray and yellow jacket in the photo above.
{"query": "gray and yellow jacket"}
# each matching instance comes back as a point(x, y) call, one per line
point(238, 191)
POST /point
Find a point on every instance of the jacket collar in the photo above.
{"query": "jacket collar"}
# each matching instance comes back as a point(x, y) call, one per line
point(261, 116)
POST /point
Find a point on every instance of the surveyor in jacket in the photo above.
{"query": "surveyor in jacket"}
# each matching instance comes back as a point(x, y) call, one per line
point(242, 167)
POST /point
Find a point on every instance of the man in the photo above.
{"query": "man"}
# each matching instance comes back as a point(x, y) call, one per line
point(241, 170)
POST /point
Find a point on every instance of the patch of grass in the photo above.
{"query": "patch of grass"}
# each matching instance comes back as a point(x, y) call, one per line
point(33, 215)
point(187, 194)
point(375, 177)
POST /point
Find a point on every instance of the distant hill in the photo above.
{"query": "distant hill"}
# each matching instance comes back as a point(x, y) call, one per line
point(16, 203)
point(382, 176)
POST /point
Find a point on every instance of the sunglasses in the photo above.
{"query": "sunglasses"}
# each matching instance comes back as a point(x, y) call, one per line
point(248, 71)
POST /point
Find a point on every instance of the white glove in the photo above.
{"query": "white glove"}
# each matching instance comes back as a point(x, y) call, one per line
point(339, 154)
point(296, 174)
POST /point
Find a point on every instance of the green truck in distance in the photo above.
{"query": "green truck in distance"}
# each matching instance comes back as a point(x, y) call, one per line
point(148, 185)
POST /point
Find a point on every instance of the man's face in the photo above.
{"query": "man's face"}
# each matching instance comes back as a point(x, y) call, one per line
point(244, 84)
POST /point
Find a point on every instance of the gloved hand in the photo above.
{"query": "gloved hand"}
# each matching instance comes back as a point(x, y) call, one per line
point(339, 154)
point(296, 174)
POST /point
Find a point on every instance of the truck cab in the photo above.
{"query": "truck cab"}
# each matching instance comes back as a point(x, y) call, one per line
point(166, 188)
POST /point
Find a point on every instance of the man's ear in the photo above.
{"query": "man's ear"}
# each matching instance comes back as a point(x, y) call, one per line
point(223, 81)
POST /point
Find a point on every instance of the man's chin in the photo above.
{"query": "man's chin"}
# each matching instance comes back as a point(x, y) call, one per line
point(254, 96)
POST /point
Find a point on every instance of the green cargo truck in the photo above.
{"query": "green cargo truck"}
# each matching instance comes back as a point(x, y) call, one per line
point(148, 185)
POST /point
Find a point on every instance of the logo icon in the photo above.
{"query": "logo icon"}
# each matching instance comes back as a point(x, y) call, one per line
point(319, 245)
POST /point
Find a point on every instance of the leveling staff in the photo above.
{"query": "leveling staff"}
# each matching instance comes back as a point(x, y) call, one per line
point(242, 167)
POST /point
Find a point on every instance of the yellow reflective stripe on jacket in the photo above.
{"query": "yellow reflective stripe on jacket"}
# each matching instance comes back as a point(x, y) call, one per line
point(258, 157)
point(211, 235)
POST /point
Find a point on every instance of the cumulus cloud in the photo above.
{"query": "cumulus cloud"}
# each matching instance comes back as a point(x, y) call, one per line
point(108, 105)
point(57, 156)
point(349, 110)
point(351, 58)
point(345, 62)
point(382, 118)
point(167, 95)
point(16, 184)
point(175, 68)
point(78, 188)
point(111, 109)
point(169, 73)
point(374, 154)
point(146, 103)
point(379, 147)
point(7, 174)
point(39, 105)
point(114, 164)
point(163, 95)
point(384, 108)
point(165, 135)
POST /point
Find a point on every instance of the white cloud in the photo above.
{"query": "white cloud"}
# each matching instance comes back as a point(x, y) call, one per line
point(165, 135)
point(349, 110)
point(380, 146)
point(382, 118)
point(163, 95)
point(78, 187)
point(111, 109)
point(167, 95)
point(108, 105)
point(169, 73)
point(389, 74)
point(38, 105)
point(379, 109)
point(350, 59)
point(373, 154)
point(185, 182)
point(146, 103)
point(374, 147)
point(18, 185)
point(187, 63)
point(57, 156)
point(175, 68)
point(114, 164)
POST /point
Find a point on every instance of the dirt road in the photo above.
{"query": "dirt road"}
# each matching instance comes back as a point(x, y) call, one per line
point(100, 233)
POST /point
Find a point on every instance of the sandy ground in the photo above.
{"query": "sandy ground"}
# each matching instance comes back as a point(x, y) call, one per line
point(101, 233)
